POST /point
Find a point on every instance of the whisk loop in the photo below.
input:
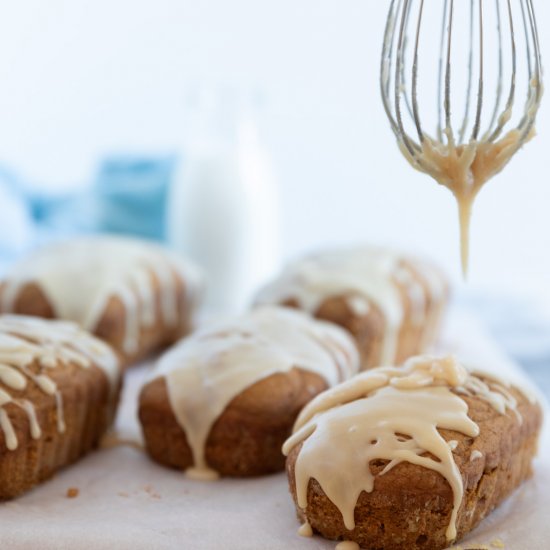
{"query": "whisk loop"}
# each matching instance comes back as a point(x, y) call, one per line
point(475, 47)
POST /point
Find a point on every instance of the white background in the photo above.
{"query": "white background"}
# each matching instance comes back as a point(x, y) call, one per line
point(82, 78)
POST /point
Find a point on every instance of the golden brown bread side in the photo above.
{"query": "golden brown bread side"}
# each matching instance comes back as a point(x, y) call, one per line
point(410, 506)
point(369, 329)
point(111, 327)
point(246, 439)
point(88, 411)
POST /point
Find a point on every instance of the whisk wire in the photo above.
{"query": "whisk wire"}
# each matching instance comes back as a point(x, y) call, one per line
point(447, 103)
point(399, 99)
point(477, 123)
point(507, 113)
point(403, 84)
point(385, 64)
point(399, 88)
point(534, 77)
point(466, 118)
point(440, 73)
point(499, 84)
point(416, 115)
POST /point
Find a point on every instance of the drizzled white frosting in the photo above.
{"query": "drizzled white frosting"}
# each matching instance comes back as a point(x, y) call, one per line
point(30, 349)
point(206, 371)
point(79, 276)
point(362, 275)
point(393, 414)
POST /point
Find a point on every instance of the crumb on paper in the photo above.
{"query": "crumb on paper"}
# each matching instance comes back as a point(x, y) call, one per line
point(111, 440)
point(497, 543)
point(123, 494)
point(151, 491)
point(73, 492)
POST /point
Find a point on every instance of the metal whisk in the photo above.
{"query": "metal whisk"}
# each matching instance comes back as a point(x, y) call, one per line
point(484, 56)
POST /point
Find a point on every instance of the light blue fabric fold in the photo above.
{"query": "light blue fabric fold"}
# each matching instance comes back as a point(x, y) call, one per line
point(130, 195)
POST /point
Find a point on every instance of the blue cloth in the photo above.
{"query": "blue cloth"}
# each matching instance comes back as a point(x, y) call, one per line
point(130, 195)
point(16, 225)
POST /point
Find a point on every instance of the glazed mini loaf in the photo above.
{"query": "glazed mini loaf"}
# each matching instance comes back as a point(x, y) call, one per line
point(411, 457)
point(223, 401)
point(130, 293)
point(59, 388)
point(391, 303)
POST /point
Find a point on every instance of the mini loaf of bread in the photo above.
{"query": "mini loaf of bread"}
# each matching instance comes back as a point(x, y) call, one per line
point(133, 294)
point(59, 388)
point(224, 400)
point(391, 303)
point(412, 457)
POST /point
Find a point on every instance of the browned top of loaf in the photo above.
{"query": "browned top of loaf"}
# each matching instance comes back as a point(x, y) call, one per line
point(336, 306)
point(369, 328)
point(111, 326)
point(500, 438)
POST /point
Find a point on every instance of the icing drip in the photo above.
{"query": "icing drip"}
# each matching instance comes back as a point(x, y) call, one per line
point(206, 371)
point(80, 276)
point(305, 530)
point(475, 455)
point(464, 169)
point(453, 444)
point(12, 378)
point(391, 414)
point(7, 428)
point(26, 341)
point(347, 545)
point(363, 275)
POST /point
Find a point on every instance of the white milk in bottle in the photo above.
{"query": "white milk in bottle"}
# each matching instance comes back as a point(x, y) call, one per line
point(223, 207)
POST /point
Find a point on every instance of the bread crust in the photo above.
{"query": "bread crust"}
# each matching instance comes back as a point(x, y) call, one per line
point(31, 300)
point(369, 329)
point(246, 439)
point(88, 411)
point(410, 506)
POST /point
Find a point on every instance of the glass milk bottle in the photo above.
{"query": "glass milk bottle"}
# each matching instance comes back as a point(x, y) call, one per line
point(223, 207)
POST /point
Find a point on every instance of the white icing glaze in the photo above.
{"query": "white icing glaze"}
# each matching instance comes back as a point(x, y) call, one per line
point(79, 276)
point(206, 371)
point(388, 413)
point(475, 455)
point(26, 341)
point(363, 275)
point(500, 400)
point(7, 429)
point(305, 530)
